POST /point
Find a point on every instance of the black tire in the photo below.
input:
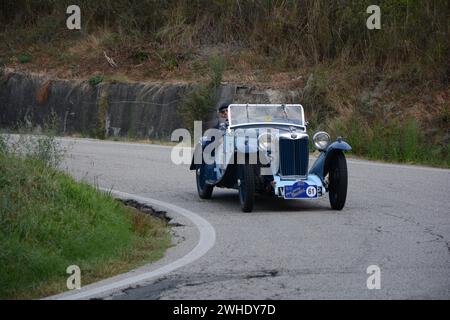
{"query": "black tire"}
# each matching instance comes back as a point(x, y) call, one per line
point(247, 187)
point(204, 190)
point(338, 179)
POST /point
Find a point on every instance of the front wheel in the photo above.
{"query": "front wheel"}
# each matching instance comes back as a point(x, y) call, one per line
point(338, 178)
point(204, 190)
point(246, 187)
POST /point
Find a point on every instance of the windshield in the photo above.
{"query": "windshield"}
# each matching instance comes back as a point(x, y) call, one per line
point(261, 114)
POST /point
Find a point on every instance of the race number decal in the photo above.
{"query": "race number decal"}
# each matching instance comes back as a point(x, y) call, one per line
point(300, 190)
point(311, 192)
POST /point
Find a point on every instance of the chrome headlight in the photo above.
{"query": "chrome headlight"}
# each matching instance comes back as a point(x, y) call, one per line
point(266, 141)
point(321, 140)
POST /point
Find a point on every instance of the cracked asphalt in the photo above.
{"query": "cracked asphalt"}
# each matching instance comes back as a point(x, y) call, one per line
point(397, 217)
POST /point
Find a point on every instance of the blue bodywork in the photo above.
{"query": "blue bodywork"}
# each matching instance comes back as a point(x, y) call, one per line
point(311, 187)
point(208, 172)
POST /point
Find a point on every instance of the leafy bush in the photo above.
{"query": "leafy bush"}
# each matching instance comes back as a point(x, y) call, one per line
point(200, 102)
point(96, 80)
point(24, 58)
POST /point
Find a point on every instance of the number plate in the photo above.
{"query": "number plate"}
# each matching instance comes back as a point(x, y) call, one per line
point(300, 190)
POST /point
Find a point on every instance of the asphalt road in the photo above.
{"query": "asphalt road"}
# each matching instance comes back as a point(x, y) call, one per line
point(397, 217)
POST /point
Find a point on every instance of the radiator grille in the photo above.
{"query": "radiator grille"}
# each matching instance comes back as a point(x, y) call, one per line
point(294, 157)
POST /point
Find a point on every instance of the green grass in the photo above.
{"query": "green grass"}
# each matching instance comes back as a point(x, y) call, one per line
point(392, 140)
point(48, 221)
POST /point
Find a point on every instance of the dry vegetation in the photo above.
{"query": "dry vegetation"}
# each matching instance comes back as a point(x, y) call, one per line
point(387, 90)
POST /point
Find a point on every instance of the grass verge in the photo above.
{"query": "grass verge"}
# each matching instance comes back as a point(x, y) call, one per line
point(48, 221)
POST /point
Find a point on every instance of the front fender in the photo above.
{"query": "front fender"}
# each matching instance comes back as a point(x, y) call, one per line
point(198, 152)
point(320, 167)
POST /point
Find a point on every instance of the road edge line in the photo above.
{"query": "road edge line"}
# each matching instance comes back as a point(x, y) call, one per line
point(206, 242)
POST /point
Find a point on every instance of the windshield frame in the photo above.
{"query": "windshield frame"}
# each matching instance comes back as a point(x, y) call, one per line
point(232, 126)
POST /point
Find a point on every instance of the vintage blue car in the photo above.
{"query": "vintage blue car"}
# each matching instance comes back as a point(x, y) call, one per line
point(265, 149)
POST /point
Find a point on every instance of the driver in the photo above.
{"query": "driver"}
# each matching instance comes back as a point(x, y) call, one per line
point(223, 116)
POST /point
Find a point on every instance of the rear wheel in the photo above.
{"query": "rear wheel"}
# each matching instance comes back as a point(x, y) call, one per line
point(247, 187)
point(204, 190)
point(338, 179)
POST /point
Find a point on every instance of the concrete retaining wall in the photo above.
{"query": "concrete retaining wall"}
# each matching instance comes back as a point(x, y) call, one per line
point(141, 110)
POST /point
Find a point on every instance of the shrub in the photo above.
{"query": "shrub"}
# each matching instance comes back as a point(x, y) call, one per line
point(24, 58)
point(96, 80)
point(200, 102)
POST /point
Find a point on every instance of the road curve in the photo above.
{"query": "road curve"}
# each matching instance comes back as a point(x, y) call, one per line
point(102, 289)
point(397, 217)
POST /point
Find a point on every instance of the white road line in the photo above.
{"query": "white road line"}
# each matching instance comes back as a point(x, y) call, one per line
point(205, 243)
point(396, 166)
